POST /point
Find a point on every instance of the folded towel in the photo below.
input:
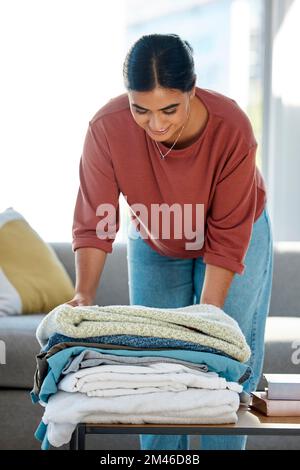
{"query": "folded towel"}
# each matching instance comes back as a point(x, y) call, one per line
point(110, 377)
point(60, 434)
point(193, 406)
point(203, 324)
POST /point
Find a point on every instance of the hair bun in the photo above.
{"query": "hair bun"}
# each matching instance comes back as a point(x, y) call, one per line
point(189, 46)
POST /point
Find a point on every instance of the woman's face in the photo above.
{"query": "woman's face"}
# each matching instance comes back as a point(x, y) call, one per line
point(162, 109)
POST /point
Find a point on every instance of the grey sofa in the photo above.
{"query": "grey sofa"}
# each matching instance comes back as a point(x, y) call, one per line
point(19, 417)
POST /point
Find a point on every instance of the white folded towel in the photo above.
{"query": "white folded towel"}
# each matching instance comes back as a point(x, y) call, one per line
point(65, 410)
point(94, 380)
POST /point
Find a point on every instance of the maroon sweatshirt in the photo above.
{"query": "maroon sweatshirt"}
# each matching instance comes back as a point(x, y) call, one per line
point(216, 175)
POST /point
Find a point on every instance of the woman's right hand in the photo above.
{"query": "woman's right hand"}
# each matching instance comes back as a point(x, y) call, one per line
point(80, 300)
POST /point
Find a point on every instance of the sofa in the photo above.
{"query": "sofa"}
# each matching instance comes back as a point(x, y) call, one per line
point(19, 417)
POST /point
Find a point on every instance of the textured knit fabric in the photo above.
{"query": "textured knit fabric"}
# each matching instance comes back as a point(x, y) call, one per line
point(145, 342)
point(202, 324)
point(218, 171)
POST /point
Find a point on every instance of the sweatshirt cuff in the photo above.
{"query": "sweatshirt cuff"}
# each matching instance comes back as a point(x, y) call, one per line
point(91, 242)
point(224, 262)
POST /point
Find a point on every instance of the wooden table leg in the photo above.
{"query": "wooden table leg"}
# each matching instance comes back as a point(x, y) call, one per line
point(81, 436)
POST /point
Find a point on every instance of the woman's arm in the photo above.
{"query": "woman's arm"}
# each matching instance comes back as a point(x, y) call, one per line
point(89, 263)
point(89, 266)
point(216, 284)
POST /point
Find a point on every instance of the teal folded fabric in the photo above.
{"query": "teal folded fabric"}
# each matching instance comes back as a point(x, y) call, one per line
point(41, 435)
point(231, 369)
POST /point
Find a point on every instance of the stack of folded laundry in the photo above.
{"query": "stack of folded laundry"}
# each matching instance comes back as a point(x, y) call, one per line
point(137, 364)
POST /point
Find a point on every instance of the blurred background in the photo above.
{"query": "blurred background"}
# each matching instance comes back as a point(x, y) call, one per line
point(62, 60)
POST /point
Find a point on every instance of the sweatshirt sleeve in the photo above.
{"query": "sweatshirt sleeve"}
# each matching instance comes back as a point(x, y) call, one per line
point(96, 214)
point(231, 215)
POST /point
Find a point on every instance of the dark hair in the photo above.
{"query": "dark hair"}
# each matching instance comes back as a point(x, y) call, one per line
point(163, 60)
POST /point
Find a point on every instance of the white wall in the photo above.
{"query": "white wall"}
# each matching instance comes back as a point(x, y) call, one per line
point(60, 62)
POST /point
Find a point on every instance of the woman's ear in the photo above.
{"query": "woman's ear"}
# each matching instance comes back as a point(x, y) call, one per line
point(193, 92)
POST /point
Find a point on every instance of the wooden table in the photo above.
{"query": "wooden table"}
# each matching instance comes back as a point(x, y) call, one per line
point(250, 422)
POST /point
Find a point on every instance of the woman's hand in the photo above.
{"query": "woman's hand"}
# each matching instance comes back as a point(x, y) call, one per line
point(80, 300)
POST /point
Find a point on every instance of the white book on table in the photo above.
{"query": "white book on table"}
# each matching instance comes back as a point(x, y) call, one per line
point(283, 386)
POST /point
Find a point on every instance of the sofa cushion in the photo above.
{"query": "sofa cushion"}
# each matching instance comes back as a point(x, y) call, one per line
point(21, 346)
point(285, 298)
point(32, 278)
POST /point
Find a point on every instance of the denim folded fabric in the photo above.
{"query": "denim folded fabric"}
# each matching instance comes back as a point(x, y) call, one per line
point(144, 342)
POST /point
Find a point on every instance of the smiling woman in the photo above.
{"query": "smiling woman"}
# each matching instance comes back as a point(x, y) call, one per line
point(170, 145)
point(147, 122)
point(166, 78)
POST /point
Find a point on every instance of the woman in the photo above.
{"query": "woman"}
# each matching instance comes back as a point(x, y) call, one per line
point(174, 149)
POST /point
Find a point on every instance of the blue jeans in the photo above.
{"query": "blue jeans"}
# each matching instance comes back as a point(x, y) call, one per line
point(169, 282)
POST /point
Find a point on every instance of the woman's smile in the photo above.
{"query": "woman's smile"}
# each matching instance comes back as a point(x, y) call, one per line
point(159, 132)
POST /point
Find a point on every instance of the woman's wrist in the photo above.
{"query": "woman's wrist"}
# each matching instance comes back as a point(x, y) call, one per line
point(84, 296)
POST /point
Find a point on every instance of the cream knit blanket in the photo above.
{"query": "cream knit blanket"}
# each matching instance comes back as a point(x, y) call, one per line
point(202, 324)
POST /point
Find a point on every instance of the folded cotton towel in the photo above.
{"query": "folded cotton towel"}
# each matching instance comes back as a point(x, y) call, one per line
point(203, 324)
point(101, 380)
point(193, 406)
